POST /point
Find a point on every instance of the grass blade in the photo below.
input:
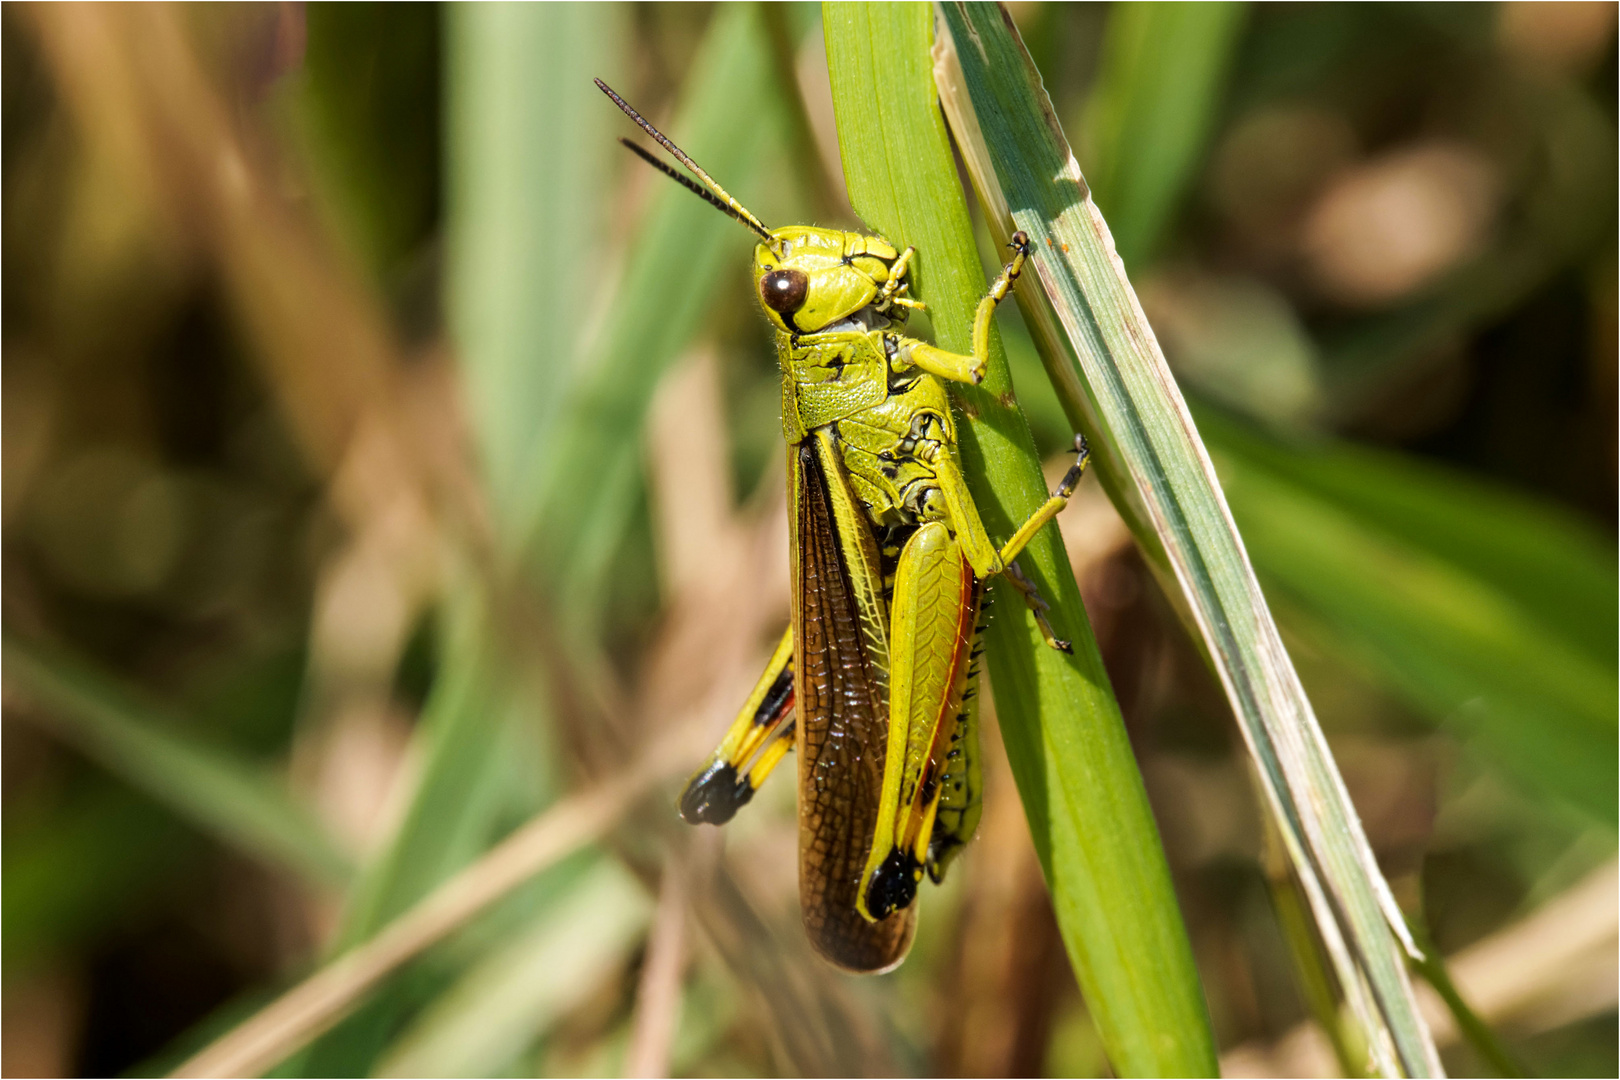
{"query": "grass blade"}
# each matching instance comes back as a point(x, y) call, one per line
point(1554, 566)
point(483, 1022)
point(526, 183)
point(468, 747)
point(529, 180)
point(1111, 376)
point(1448, 640)
point(682, 253)
point(523, 202)
point(227, 798)
point(320, 1000)
point(1478, 1034)
point(1157, 92)
point(481, 769)
point(1081, 788)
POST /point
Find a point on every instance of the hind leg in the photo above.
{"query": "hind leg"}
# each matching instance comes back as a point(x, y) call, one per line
point(755, 744)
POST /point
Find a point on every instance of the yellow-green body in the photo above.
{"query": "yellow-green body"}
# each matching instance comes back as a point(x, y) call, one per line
point(845, 368)
point(872, 464)
point(873, 678)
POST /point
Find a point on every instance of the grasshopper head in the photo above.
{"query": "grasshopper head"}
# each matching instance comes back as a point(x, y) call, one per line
point(809, 278)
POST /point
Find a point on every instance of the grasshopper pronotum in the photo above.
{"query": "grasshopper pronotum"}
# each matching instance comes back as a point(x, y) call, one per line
point(872, 682)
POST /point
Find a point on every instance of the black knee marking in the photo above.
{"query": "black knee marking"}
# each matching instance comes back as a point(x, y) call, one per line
point(715, 795)
point(894, 884)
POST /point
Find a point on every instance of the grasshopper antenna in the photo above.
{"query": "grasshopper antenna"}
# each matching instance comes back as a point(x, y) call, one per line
point(715, 195)
point(695, 188)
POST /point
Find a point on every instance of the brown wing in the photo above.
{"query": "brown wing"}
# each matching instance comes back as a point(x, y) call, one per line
point(841, 690)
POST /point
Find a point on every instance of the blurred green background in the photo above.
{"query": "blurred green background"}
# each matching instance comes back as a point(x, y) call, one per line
point(387, 453)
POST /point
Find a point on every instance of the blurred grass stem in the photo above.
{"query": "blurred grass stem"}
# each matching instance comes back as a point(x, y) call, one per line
point(1312, 968)
point(658, 995)
point(1552, 968)
point(325, 997)
point(1474, 1030)
point(216, 792)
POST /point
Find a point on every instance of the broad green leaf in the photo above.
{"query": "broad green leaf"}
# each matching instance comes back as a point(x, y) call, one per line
point(1081, 789)
point(1105, 363)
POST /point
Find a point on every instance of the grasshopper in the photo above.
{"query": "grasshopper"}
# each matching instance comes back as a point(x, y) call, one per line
point(873, 682)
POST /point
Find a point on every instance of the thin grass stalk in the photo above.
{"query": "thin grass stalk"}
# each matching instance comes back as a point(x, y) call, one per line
point(658, 993)
point(314, 1005)
point(1474, 1030)
point(1060, 721)
point(1111, 376)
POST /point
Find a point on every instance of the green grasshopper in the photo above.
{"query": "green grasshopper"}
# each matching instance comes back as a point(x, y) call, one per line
point(873, 682)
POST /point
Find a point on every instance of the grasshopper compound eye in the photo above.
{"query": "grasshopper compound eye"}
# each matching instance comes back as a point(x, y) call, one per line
point(783, 291)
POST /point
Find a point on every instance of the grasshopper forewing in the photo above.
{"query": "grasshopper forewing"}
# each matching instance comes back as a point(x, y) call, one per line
point(873, 681)
point(838, 626)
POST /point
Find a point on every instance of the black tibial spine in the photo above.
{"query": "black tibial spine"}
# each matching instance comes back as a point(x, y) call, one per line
point(944, 843)
point(715, 795)
point(894, 884)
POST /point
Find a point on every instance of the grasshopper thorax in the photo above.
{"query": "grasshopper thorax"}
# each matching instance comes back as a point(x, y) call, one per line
point(809, 278)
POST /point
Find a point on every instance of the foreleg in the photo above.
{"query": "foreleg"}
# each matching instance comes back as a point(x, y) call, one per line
point(956, 367)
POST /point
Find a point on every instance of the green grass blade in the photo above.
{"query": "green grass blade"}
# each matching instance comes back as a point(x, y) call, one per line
point(529, 178)
point(1151, 112)
point(559, 364)
point(1478, 1034)
point(1553, 565)
point(470, 745)
point(225, 797)
point(1107, 368)
point(481, 770)
point(526, 982)
point(1419, 607)
point(683, 250)
point(525, 177)
point(1081, 788)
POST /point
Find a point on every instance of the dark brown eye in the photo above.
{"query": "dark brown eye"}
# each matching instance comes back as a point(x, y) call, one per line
point(784, 290)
